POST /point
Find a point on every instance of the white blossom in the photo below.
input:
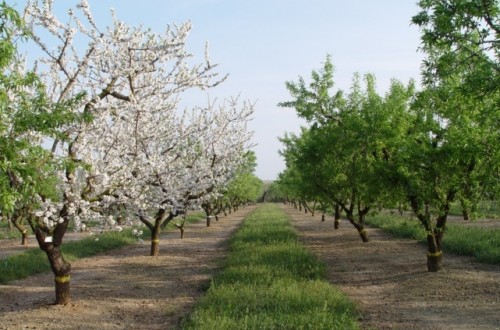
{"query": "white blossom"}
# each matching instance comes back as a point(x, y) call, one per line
point(140, 150)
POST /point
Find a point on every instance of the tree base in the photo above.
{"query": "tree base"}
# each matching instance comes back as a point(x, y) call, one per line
point(434, 261)
point(363, 235)
point(62, 290)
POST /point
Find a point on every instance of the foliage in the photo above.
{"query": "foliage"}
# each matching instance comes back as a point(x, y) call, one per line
point(25, 114)
point(245, 186)
point(270, 281)
point(430, 148)
point(462, 75)
point(342, 158)
point(461, 36)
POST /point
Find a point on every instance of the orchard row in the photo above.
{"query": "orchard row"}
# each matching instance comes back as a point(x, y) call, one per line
point(424, 149)
point(95, 130)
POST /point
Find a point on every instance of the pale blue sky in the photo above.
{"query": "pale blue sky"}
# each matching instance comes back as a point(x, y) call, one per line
point(264, 43)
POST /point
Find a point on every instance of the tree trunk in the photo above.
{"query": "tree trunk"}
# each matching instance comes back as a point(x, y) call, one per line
point(24, 239)
point(359, 227)
point(182, 232)
point(434, 235)
point(62, 290)
point(60, 267)
point(23, 231)
point(434, 239)
point(209, 217)
point(155, 241)
point(434, 253)
point(336, 221)
point(17, 221)
point(363, 234)
point(323, 217)
point(465, 213)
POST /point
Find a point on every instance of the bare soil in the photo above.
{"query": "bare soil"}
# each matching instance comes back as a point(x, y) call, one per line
point(125, 288)
point(387, 278)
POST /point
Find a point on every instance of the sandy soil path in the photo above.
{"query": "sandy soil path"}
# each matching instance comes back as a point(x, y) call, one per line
point(388, 278)
point(125, 289)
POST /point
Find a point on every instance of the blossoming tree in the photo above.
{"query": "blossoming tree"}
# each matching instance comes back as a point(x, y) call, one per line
point(133, 143)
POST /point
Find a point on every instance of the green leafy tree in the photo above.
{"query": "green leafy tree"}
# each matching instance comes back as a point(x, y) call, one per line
point(452, 151)
point(345, 152)
point(461, 36)
point(245, 187)
point(27, 116)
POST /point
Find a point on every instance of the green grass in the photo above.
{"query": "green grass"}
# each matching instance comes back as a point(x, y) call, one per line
point(485, 209)
point(6, 233)
point(10, 234)
point(483, 244)
point(190, 218)
point(270, 281)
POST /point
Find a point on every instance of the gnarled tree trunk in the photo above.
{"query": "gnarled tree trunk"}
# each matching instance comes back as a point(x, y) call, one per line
point(434, 234)
point(359, 224)
point(51, 245)
point(360, 227)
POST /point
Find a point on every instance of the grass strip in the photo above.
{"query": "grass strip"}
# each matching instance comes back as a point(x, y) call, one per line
point(483, 244)
point(34, 261)
point(270, 281)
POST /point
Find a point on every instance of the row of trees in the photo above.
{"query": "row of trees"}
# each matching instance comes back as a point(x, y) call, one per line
point(96, 126)
point(426, 149)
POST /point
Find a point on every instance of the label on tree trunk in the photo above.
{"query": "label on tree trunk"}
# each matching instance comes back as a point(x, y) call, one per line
point(62, 279)
point(48, 239)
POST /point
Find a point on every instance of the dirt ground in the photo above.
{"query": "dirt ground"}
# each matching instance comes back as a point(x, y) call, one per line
point(125, 289)
point(387, 277)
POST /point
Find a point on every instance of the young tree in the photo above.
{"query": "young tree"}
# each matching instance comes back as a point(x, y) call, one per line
point(346, 149)
point(201, 163)
point(245, 187)
point(452, 151)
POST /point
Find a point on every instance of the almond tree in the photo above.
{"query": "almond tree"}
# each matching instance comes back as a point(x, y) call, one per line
point(344, 153)
point(244, 188)
point(128, 75)
point(190, 167)
point(452, 153)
